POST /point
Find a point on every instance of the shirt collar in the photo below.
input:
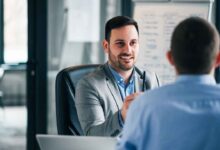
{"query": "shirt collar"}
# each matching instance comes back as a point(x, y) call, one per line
point(118, 77)
point(202, 79)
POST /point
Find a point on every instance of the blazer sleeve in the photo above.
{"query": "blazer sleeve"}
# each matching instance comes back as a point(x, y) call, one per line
point(91, 110)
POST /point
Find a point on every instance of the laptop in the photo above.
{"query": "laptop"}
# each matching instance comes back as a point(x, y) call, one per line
point(64, 142)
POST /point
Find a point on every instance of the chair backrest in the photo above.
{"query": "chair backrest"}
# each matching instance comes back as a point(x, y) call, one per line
point(1, 72)
point(66, 80)
point(1, 93)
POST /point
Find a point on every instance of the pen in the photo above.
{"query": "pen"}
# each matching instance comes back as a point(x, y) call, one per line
point(143, 77)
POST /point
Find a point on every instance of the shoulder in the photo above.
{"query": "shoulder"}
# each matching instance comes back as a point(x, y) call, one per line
point(176, 92)
point(151, 77)
point(156, 96)
point(96, 77)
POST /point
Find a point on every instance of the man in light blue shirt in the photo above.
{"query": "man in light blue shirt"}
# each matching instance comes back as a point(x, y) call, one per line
point(184, 115)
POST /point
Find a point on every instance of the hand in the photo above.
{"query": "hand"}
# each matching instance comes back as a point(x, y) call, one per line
point(127, 103)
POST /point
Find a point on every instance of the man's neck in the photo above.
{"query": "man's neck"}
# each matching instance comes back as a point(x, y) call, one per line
point(126, 74)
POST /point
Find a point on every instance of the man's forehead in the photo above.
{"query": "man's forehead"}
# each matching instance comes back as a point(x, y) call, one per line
point(123, 28)
point(126, 33)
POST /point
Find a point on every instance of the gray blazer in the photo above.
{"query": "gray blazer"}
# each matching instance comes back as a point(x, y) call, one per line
point(98, 100)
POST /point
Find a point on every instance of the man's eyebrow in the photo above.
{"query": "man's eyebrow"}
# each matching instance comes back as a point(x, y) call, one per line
point(119, 40)
point(122, 40)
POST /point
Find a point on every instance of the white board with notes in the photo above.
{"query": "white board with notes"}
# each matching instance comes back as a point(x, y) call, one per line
point(156, 23)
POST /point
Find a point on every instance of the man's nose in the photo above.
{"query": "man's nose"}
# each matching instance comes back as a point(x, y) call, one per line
point(127, 48)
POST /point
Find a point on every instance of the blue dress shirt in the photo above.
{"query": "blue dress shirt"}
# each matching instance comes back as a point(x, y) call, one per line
point(184, 115)
point(125, 89)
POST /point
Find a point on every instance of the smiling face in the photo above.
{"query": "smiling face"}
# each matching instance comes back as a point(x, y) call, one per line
point(122, 48)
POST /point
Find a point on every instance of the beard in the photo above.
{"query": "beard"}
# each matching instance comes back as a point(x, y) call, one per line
point(123, 61)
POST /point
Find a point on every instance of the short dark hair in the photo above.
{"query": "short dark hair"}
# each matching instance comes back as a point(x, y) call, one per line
point(117, 22)
point(194, 46)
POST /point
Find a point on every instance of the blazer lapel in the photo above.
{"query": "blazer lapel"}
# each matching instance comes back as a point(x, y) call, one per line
point(113, 88)
point(138, 83)
point(115, 93)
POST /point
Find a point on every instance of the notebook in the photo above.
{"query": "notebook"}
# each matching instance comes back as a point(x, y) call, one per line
point(63, 142)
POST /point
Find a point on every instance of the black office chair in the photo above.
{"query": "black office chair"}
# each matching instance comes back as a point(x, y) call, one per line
point(1, 93)
point(66, 80)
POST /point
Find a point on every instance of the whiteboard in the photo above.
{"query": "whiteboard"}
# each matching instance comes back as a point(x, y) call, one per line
point(156, 23)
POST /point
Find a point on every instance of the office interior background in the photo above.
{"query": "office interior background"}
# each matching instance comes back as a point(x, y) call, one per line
point(36, 42)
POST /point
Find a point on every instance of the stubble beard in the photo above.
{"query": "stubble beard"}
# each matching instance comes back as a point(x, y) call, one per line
point(118, 63)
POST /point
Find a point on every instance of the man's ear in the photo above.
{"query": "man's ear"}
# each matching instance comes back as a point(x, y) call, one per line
point(105, 45)
point(170, 57)
point(217, 62)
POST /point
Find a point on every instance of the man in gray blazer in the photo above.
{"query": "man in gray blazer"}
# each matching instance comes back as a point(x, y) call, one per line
point(103, 97)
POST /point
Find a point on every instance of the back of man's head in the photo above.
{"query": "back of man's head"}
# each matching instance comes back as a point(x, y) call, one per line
point(194, 46)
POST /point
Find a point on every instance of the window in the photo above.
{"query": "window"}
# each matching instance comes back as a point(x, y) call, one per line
point(15, 31)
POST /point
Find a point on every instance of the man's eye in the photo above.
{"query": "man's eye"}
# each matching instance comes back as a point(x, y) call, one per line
point(120, 44)
point(133, 43)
